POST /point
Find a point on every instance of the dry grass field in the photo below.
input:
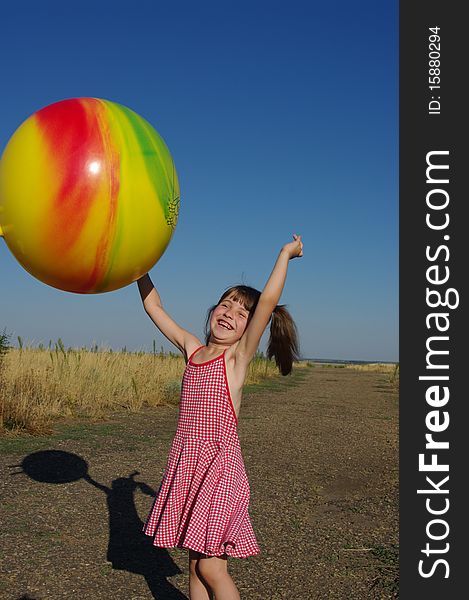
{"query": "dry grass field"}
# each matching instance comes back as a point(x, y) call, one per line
point(39, 386)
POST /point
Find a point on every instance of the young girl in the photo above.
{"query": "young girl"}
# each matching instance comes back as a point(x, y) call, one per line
point(202, 503)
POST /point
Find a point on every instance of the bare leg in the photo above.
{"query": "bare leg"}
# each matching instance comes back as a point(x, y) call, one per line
point(214, 570)
point(198, 588)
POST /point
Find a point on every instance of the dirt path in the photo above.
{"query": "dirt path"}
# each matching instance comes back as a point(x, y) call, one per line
point(321, 454)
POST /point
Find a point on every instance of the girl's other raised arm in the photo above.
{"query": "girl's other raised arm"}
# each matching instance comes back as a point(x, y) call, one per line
point(249, 342)
point(182, 339)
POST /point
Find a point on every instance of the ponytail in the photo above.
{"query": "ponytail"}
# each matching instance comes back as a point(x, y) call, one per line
point(283, 342)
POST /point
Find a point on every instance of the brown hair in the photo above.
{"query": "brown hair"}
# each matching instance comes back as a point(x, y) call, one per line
point(283, 342)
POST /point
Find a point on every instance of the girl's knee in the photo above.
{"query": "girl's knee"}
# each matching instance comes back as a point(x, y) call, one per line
point(212, 567)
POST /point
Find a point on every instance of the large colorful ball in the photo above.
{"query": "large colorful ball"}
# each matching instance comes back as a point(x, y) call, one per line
point(89, 195)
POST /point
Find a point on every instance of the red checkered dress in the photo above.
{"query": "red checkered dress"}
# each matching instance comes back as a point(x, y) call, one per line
point(203, 499)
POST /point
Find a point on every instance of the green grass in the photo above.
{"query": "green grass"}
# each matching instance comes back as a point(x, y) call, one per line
point(48, 536)
point(385, 559)
point(277, 383)
point(387, 564)
point(74, 431)
point(105, 570)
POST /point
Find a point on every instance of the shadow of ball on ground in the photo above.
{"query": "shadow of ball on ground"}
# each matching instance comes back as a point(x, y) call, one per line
point(54, 466)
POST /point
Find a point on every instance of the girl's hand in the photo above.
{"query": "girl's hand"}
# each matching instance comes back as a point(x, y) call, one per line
point(295, 248)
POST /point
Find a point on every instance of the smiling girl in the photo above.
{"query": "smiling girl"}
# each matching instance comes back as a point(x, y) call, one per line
point(203, 499)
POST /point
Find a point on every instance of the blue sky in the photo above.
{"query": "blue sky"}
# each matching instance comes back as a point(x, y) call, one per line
point(281, 118)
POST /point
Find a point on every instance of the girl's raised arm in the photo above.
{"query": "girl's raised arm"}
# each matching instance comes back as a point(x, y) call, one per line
point(182, 339)
point(249, 342)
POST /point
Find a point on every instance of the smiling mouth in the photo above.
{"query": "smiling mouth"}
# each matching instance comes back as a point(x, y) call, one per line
point(225, 325)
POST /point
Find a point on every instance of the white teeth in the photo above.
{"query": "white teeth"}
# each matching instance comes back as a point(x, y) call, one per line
point(224, 324)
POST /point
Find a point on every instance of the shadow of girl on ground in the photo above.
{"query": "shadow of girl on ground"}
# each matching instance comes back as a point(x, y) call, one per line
point(128, 548)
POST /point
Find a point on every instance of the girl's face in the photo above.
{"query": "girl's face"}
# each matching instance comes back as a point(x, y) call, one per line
point(229, 321)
